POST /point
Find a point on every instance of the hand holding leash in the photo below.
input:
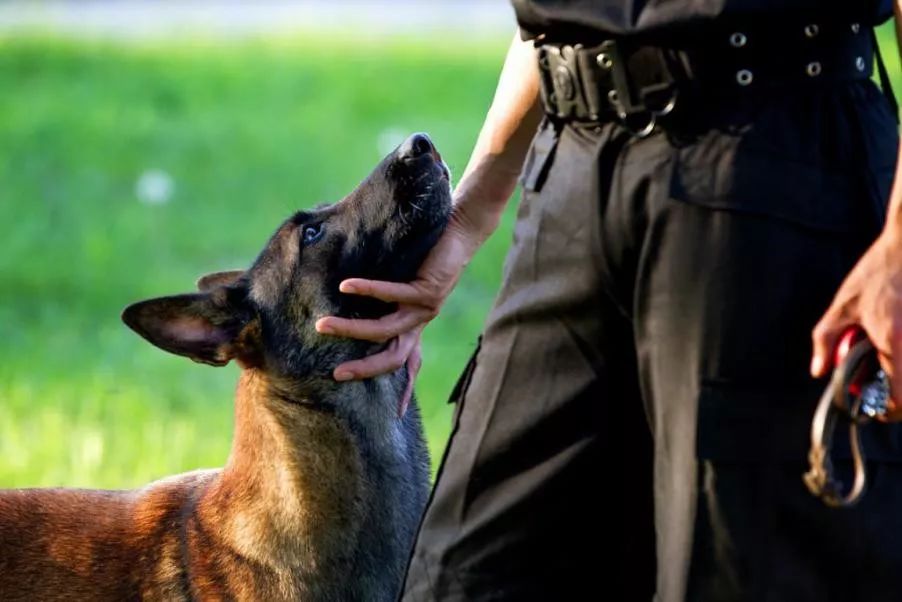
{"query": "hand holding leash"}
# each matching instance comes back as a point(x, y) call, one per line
point(858, 392)
point(870, 297)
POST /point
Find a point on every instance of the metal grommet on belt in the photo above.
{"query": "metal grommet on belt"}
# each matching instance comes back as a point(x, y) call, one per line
point(604, 60)
point(813, 69)
point(860, 63)
point(856, 27)
point(744, 77)
point(738, 40)
point(811, 30)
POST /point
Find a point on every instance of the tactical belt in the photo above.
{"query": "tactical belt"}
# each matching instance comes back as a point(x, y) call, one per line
point(637, 84)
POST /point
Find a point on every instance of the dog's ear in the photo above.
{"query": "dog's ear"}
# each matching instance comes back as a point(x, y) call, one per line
point(205, 327)
point(211, 281)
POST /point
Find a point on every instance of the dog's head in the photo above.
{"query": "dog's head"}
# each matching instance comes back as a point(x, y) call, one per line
point(265, 316)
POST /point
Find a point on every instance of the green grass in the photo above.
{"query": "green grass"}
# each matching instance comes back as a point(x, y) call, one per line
point(250, 133)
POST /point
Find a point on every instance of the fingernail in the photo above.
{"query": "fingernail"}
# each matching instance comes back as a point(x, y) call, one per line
point(347, 288)
point(324, 329)
point(817, 365)
point(342, 376)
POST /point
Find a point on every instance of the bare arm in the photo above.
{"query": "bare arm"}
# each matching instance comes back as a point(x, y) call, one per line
point(479, 200)
point(894, 212)
point(871, 295)
point(491, 174)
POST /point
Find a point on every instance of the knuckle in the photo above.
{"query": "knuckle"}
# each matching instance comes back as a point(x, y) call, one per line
point(821, 332)
point(431, 294)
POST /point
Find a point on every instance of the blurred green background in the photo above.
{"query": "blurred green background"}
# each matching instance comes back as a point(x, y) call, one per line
point(243, 134)
point(127, 170)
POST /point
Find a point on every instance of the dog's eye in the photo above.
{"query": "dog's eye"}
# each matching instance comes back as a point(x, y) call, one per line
point(312, 233)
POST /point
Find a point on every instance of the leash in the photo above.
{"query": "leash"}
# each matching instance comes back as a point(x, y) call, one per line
point(858, 393)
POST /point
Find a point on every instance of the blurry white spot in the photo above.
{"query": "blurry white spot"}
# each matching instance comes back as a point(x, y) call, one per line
point(389, 139)
point(154, 187)
point(91, 449)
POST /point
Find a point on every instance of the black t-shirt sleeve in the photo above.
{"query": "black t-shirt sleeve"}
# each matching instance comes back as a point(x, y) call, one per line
point(573, 19)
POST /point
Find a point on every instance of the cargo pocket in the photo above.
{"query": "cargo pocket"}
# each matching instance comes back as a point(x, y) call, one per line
point(767, 243)
point(458, 393)
point(463, 382)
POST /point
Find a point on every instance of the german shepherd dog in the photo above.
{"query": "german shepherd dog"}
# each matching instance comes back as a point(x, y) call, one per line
point(325, 483)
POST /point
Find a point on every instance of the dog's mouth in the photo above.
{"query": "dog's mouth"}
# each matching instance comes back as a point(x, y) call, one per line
point(423, 187)
point(446, 173)
point(416, 183)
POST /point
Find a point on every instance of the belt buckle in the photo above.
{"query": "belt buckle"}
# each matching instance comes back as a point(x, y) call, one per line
point(628, 103)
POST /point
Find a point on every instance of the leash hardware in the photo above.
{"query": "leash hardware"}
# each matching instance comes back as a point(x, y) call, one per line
point(858, 392)
point(631, 102)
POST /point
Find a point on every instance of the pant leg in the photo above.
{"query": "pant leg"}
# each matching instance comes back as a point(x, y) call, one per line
point(747, 230)
point(545, 489)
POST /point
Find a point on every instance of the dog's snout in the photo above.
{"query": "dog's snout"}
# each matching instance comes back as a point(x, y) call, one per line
point(416, 146)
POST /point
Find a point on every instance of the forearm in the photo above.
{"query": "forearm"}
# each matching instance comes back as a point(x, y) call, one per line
point(491, 174)
point(894, 213)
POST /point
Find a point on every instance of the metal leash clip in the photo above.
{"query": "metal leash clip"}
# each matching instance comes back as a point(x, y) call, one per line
point(638, 106)
point(858, 392)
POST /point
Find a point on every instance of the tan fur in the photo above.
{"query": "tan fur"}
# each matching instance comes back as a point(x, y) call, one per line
point(282, 503)
point(325, 483)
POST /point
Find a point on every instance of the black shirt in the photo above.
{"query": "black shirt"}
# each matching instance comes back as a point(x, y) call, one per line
point(577, 19)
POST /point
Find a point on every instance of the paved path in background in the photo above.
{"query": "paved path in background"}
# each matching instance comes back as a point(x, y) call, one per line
point(149, 18)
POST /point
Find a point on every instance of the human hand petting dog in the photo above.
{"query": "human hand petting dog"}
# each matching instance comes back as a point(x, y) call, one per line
point(418, 302)
point(479, 200)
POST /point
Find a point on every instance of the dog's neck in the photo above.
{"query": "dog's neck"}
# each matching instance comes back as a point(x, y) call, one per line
point(295, 494)
point(292, 478)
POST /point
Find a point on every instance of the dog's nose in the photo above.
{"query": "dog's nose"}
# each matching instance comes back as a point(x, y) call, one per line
point(416, 146)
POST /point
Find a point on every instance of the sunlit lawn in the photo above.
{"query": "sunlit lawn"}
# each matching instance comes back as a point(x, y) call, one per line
point(248, 133)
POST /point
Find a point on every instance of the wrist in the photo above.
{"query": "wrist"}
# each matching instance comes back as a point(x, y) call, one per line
point(470, 230)
point(477, 214)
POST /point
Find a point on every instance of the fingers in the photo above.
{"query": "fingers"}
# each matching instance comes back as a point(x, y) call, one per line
point(390, 292)
point(378, 331)
point(413, 367)
point(824, 338)
point(389, 360)
point(415, 361)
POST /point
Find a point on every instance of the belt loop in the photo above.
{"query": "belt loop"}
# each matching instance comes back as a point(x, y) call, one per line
point(540, 156)
point(546, 83)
